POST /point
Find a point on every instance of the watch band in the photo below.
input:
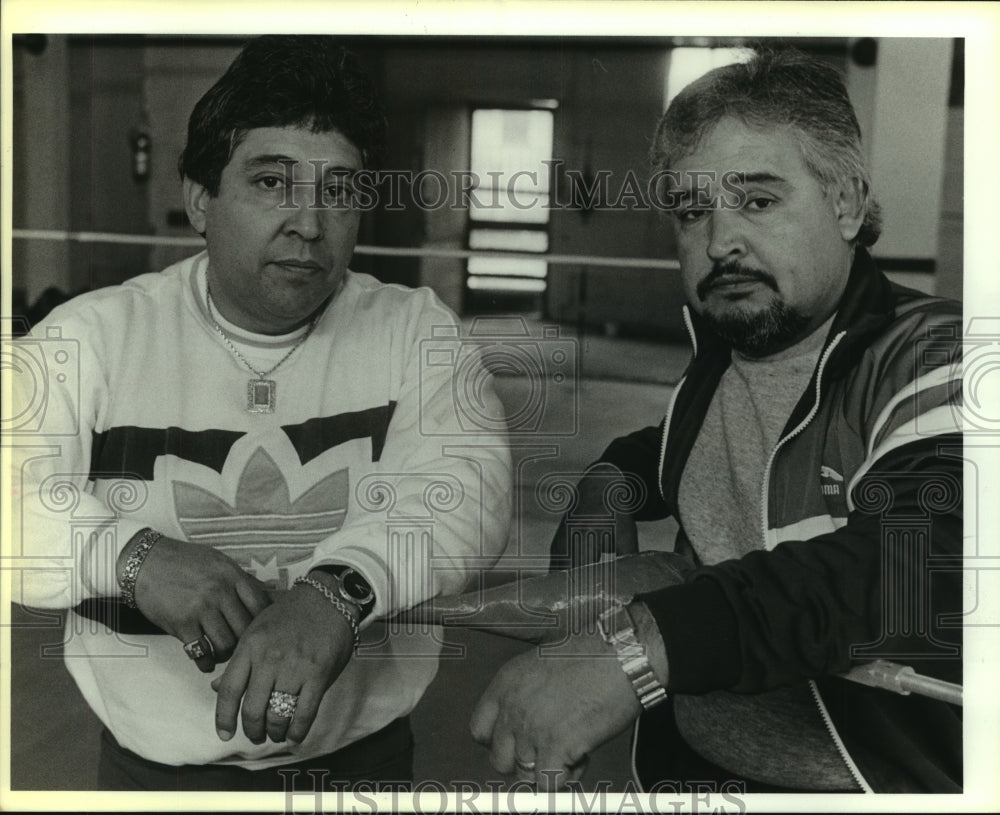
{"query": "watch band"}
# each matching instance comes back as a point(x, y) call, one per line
point(618, 629)
point(339, 604)
point(339, 571)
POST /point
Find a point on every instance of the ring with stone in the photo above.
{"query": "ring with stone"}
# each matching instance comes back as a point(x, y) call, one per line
point(283, 704)
point(196, 649)
point(526, 766)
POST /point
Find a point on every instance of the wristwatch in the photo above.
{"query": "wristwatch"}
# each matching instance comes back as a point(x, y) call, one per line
point(618, 629)
point(352, 587)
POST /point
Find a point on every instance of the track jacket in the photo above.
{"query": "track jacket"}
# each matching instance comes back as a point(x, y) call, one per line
point(861, 535)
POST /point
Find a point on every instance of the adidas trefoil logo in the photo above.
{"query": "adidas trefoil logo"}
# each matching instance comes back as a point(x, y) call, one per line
point(264, 531)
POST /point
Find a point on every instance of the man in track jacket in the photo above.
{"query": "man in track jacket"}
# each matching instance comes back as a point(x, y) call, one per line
point(812, 458)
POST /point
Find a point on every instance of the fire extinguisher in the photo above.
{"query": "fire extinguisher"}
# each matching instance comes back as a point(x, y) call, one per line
point(142, 145)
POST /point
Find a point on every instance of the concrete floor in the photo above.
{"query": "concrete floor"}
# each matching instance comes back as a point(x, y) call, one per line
point(624, 386)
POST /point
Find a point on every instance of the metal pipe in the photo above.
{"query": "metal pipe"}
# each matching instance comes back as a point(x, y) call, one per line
point(904, 680)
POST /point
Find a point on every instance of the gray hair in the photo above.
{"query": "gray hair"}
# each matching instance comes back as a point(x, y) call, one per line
point(781, 87)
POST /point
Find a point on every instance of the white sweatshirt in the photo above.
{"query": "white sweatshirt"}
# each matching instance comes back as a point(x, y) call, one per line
point(135, 416)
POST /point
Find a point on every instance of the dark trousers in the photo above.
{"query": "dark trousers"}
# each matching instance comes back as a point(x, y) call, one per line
point(663, 758)
point(383, 759)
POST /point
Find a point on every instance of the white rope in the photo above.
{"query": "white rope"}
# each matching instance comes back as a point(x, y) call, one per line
point(102, 237)
point(384, 251)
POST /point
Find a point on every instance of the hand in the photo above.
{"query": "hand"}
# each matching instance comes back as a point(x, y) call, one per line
point(299, 645)
point(190, 589)
point(552, 710)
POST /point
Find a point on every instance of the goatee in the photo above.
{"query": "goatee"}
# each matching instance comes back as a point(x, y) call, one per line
point(756, 333)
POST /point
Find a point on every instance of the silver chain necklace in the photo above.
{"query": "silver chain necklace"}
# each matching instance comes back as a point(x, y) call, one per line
point(262, 393)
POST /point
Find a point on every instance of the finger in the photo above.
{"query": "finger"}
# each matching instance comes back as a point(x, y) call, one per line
point(305, 712)
point(230, 687)
point(221, 638)
point(502, 751)
point(484, 717)
point(555, 767)
point(525, 763)
point(253, 711)
point(282, 709)
point(576, 771)
point(197, 649)
point(548, 778)
point(236, 617)
point(253, 594)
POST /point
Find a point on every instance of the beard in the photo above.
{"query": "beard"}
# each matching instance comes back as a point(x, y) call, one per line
point(752, 332)
point(759, 333)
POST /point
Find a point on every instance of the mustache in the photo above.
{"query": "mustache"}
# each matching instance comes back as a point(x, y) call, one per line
point(731, 272)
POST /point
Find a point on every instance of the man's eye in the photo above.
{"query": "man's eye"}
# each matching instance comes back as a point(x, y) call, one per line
point(690, 215)
point(758, 204)
point(270, 182)
point(338, 195)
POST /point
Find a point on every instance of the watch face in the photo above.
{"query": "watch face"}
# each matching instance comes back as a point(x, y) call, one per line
point(356, 587)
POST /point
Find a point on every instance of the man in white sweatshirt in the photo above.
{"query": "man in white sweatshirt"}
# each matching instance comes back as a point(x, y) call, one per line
point(265, 463)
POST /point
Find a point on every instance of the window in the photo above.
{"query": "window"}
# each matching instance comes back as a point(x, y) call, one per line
point(510, 212)
point(688, 64)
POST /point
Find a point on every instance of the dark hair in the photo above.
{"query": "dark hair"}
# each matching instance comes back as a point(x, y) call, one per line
point(282, 81)
point(776, 87)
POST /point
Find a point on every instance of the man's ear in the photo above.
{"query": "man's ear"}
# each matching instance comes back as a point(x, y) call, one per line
point(849, 206)
point(196, 199)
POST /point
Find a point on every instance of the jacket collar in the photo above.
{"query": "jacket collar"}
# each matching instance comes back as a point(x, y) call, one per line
point(866, 307)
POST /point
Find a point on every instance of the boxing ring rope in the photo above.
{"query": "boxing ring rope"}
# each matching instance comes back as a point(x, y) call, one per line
point(380, 251)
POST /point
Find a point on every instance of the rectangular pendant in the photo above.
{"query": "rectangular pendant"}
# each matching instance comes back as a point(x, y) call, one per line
point(261, 395)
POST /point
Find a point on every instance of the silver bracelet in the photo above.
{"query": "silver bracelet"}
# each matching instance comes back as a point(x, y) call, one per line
point(134, 563)
point(618, 629)
point(340, 605)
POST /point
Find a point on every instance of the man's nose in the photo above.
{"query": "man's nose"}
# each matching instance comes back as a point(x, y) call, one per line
point(726, 238)
point(304, 218)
